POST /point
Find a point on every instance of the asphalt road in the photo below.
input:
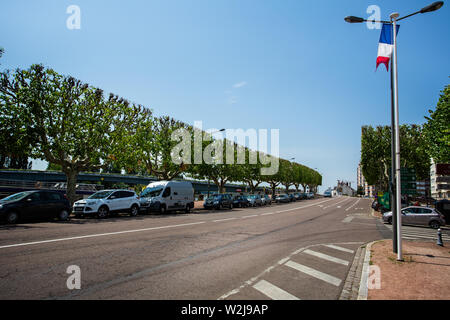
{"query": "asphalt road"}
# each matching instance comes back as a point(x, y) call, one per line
point(301, 250)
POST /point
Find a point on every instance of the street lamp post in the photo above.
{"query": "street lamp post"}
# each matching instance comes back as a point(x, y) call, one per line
point(395, 149)
point(209, 180)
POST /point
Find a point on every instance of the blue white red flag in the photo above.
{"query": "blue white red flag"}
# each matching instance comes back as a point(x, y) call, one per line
point(386, 45)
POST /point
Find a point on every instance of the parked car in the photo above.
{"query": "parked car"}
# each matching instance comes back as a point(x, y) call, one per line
point(267, 199)
point(34, 205)
point(327, 194)
point(443, 206)
point(219, 201)
point(298, 196)
point(291, 197)
point(255, 200)
point(164, 196)
point(103, 203)
point(282, 198)
point(310, 195)
point(303, 196)
point(240, 202)
point(423, 216)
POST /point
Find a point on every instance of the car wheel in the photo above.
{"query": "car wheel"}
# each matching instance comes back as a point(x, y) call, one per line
point(435, 224)
point(231, 206)
point(12, 217)
point(134, 210)
point(389, 221)
point(64, 215)
point(102, 212)
point(162, 209)
point(188, 208)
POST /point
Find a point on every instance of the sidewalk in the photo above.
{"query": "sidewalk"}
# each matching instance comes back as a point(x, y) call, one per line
point(424, 274)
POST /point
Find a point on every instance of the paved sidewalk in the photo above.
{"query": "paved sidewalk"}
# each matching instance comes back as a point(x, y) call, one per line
point(424, 274)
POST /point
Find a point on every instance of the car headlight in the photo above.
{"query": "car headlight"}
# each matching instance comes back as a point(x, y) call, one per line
point(1, 206)
point(216, 202)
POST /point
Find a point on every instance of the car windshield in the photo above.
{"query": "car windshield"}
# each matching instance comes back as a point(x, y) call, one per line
point(151, 192)
point(252, 197)
point(100, 195)
point(15, 197)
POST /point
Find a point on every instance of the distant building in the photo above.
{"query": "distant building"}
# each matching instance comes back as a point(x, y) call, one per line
point(440, 180)
point(345, 188)
point(369, 191)
point(423, 188)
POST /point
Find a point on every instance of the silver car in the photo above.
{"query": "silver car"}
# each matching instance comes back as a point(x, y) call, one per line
point(422, 216)
point(254, 200)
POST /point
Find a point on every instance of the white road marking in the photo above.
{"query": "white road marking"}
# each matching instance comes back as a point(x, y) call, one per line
point(268, 214)
point(255, 215)
point(353, 205)
point(281, 262)
point(348, 219)
point(335, 203)
point(326, 257)
point(98, 235)
point(225, 219)
point(127, 231)
point(332, 246)
point(314, 273)
point(273, 292)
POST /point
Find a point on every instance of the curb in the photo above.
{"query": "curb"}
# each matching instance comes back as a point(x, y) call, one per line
point(351, 285)
point(363, 285)
point(356, 283)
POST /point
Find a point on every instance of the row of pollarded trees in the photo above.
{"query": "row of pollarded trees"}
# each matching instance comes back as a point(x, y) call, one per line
point(76, 127)
point(418, 145)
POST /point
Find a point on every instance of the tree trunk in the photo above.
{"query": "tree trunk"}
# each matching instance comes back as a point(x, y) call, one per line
point(71, 185)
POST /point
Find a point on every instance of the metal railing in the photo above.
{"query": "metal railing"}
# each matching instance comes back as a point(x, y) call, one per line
point(32, 185)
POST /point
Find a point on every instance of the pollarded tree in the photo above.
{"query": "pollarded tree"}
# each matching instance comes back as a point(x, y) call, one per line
point(76, 127)
point(153, 146)
point(437, 129)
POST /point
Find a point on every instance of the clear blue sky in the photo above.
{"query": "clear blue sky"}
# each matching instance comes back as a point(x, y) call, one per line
point(293, 65)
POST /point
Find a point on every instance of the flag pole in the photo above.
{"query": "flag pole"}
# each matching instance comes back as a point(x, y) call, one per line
point(398, 200)
point(393, 165)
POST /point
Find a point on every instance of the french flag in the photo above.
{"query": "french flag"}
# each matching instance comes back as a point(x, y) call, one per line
point(386, 46)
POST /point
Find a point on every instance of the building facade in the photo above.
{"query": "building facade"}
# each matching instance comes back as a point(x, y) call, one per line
point(369, 191)
point(440, 180)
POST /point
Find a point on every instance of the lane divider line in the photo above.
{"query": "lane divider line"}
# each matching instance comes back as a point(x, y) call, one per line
point(132, 231)
point(353, 205)
point(99, 235)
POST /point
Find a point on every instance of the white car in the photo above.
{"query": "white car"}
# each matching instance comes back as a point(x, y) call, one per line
point(104, 202)
point(164, 196)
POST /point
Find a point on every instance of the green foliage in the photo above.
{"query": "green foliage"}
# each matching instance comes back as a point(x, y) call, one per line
point(437, 129)
point(376, 153)
point(74, 125)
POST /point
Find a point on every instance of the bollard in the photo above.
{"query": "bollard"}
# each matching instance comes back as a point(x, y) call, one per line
point(439, 240)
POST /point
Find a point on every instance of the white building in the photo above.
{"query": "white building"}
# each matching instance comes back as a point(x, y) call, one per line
point(440, 180)
point(369, 191)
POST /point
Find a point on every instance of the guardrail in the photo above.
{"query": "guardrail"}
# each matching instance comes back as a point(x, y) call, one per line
point(59, 186)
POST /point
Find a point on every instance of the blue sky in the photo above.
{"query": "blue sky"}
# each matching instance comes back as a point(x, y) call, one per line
point(293, 65)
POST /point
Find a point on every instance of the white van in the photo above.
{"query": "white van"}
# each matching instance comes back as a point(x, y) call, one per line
point(163, 196)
